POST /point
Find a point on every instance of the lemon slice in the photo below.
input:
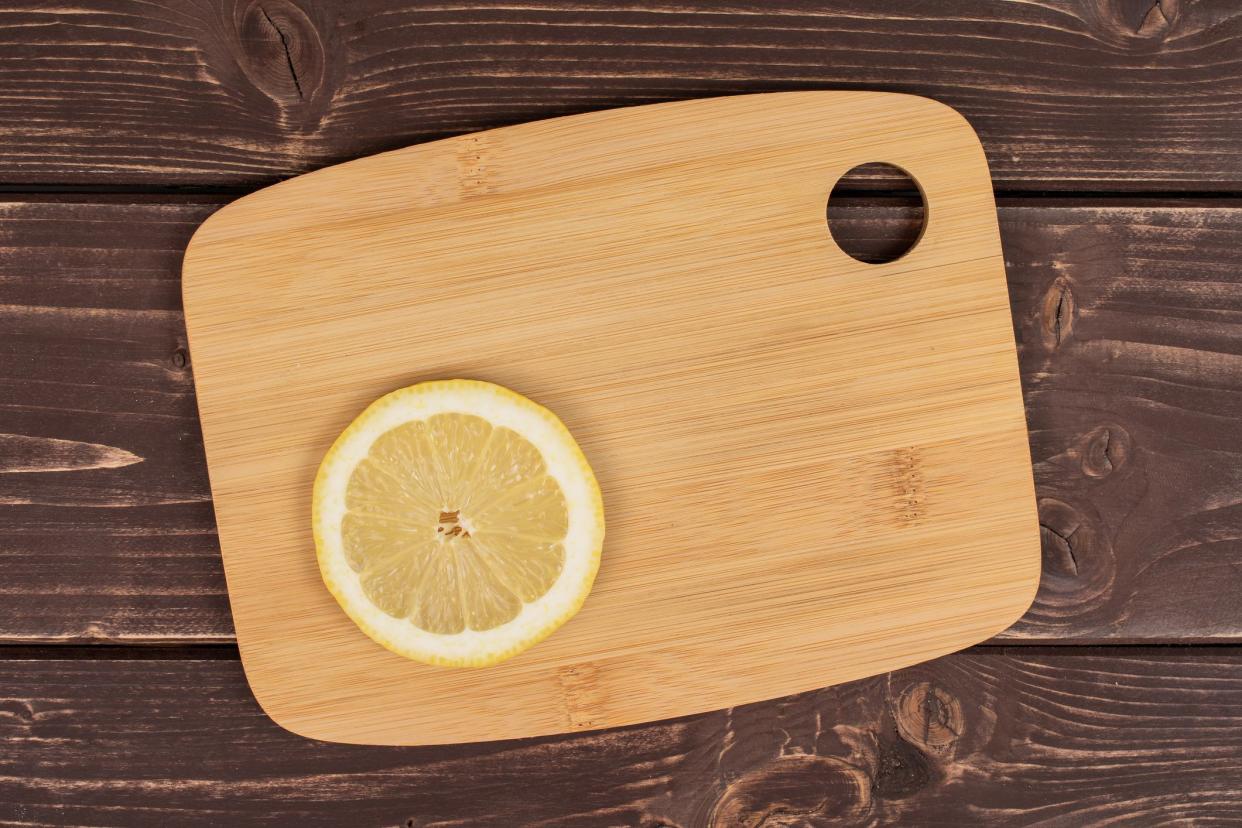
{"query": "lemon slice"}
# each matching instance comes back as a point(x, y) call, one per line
point(457, 523)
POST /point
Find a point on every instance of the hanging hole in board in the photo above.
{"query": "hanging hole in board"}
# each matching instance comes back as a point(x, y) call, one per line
point(876, 213)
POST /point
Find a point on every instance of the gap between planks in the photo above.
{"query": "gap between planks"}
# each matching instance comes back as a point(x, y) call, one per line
point(44, 651)
point(146, 193)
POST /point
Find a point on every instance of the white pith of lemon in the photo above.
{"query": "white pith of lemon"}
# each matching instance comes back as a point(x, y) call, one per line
point(457, 522)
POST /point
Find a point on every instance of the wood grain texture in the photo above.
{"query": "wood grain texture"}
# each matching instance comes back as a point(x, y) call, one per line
point(1156, 557)
point(1066, 94)
point(1127, 313)
point(808, 478)
point(1015, 737)
point(1130, 323)
point(106, 530)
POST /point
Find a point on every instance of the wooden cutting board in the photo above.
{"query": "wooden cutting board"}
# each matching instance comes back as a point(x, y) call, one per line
point(813, 469)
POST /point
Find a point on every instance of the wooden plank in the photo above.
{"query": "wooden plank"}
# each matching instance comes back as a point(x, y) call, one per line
point(106, 529)
point(1065, 94)
point(1130, 328)
point(1021, 736)
point(1133, 415)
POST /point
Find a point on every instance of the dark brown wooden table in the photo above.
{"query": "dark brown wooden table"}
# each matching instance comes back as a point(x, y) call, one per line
point(1114, 131)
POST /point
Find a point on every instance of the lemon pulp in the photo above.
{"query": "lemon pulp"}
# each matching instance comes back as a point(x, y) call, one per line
point(454, 523)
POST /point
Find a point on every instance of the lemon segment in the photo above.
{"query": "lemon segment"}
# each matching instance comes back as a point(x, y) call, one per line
point(457, 523)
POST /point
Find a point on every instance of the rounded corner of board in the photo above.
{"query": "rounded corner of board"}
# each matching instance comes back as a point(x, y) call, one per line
point(274, 709)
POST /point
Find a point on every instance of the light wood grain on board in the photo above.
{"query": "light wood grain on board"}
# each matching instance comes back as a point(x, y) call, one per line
point(807, 479)
point(1023, 736)
point(1066, 94)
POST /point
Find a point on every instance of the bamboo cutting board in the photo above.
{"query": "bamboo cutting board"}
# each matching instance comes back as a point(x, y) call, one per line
point(813, 469)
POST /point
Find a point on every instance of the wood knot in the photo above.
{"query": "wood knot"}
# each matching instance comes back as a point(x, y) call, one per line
point(1078, 566)
point(17, 712)
point(1057, 314)
point(901, 769)
point(1145, 19)
point(908, 486)
point(476, 165)
point(582, 695)
point(929, 717)
point(1059, 525)
point(1134, 24)
point(282, 52)
point(1103, 450)
point(799, 790)
point(180, 359)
